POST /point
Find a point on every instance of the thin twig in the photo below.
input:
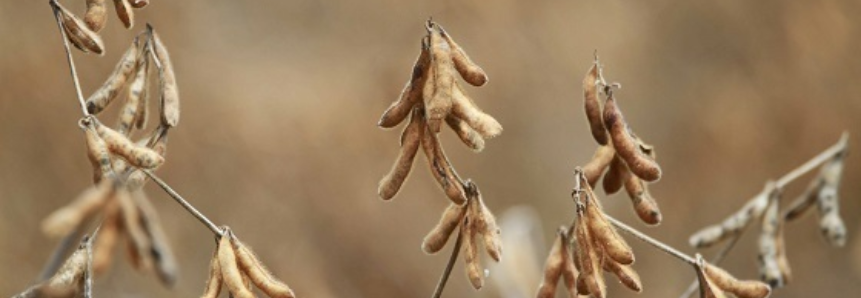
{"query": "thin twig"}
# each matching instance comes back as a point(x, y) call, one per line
point(56, 8)
point(652, 241)
point(448, 267)
point(781, 183)
point(185, 204)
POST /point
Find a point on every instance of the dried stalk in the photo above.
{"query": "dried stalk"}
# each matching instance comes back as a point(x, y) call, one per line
point(443, 279)
point(185, 204)
point(74, 72)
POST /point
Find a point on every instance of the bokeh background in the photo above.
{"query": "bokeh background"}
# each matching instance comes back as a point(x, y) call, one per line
point(278, 135)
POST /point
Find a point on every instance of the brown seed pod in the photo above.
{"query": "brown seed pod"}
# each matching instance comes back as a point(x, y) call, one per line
point(553, 266)
point(615, 176)
point(70, 279)
point(63, 221)
point(160, 252)
point(627, 276)
point(139, 3)
point(77, 31)
point(214, 281)
point(133, 113)
point(626, 146)
point(467, 135)
point(97, 153)
point(485, 224)
point(138, 156)
point(167, 82)
point(739, 288)
point(97, 15)
point(441, 168)
point(451, 218)
point(592, 105)
point(410, 140)
point(604, 235)
point(412, 92)
point(644, 205)
point(464, 108)
point(471, 72)
point(600, 161)
point(438, 100)
point(713, 234)
point(471, 258)
point(124, 69)
point(707, 287)
point(109, 234)
point(125, 13)
point(229, 269)
point(257, 273)
point(590, 261)
point(768, 265)
point(133, 223)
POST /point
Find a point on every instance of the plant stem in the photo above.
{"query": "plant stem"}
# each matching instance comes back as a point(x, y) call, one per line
point(185, 204)
point(781, 183)
point(77, 83)
point(448, 267)
point(652, 241)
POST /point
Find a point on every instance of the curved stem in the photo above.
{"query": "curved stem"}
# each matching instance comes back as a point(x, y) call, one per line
point(448, 267)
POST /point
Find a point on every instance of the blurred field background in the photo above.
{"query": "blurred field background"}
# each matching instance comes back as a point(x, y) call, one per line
point(278, 136)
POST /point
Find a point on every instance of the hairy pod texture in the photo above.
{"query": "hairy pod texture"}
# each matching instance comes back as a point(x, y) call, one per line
point(77, 31)
point(167, 81)
point(97, 14)
point(139, 156)
point(604, 234)
point(411, 95)
point(125, 13)
point(123, 71)
point(471, 72)
point(257, 273)
point(411, 139)
point(644, 205)
point(559, 265)
point(625, 144)
point(592, 105)
point(451, 218)
point(740, 288)
point(230, 272)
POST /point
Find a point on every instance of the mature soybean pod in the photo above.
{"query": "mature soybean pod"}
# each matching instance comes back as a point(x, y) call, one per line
point(625, 273)
point(139, 3)
point(769, 269)
point(97, 15)
point(589, 260)
point(64, 220)
point(214, 281)
point(109, 234)
point(471, 72)
point(707, 288)
point(592, 105)
point(133, 223)
point(741, 289)
point(124, 69)
point(97, 153)
point(644, 205)
point(471, 257)
point(441, 168)
point(412, 92)
point(410, 142)
point(553, 267)
point(615, 176)
point(229, 269)
point(599, 162)
point(137, 155)
point(78, 33)
point(438, 104)
point(464, 108)
point(167, 82)
point(165, 262)
point(259, 275)
point(605, 235)
point(125, 13)
point(451, 218)
point(467, 135)
point(626, 147)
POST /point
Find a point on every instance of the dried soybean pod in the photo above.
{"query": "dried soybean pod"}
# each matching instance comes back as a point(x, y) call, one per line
point(78, 33)
point(451, 218)
point(257, 273)
point(410, 142)
point(97, 152)
point(589, 260)
point(739, 288)
point(553, 267)
point(782, 260)
point(69, 279)
point(124, 69)
point(471, 258)
point(828, 204)
point(599, 162)
point(167, 81)
point(134, 227)
point(229, 269)
point(97, 15)
point(412, 92)
point(214, 281)
point(464, 108)
point(63, 221)
point(626, 146)
point(707, 287)
point(800, 205)
point(471, 72)
point(615, 176)
point(467, 135)
point(441, 169)
point(710, 235)
point(439, 103)
point(604, 234)
point(163, 257)
point(627, 276)
point(769, 269)
point(483, 221)
point(109, 234)
point(139, 156)
point(139, 3)
point(644, 205)
point(133, 113)
point(125, 13)
point(592, 105)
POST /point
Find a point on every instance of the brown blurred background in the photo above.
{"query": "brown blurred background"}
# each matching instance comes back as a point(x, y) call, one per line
point(278, 136)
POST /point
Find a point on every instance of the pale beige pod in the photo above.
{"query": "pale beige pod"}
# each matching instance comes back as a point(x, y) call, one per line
point(828, 203)
point(626, 146)
point(133, 223)
point(137, 155)
point(123, 71)
point(470, 137)
point(599, 162)
point(70, 277)
point(469, 71)
point(63, 221)
point(754, 208)
point(592, 105)
point(769, 269)
point(133, 113)
point(214, 281)
point(160, 251)
point(553, 267)
point(451, 218)
point(471, 257)
point(78, 33)
point(464, 108)
point(257, 273)
point(441, 169)
point(707, 287)
point(97, 153)
point(97, 14)
point(167, 81)
point(109, 234)
point(739, 288)
point(438, 103)
point(411, 95)
point(410, 141)
point(125, 13)
point(230, 272)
